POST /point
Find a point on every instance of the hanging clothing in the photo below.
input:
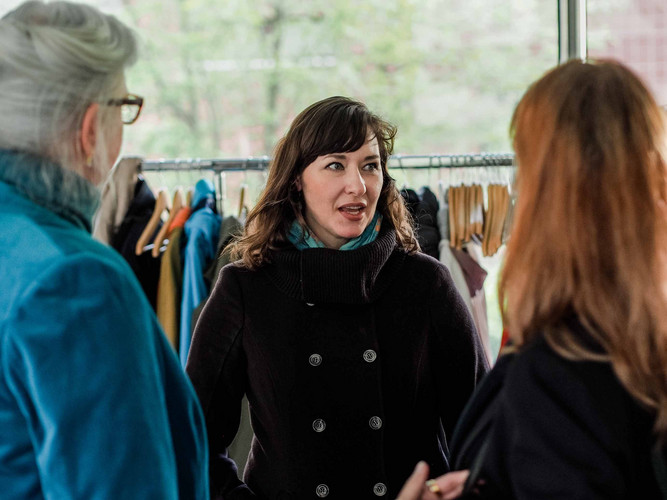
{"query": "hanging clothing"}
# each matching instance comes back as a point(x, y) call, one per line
point(352, 361)
point(117, 195)
point(475, 275)
point(449, 260)
point(542, 426)
point(201, 231)
point(169, 287)
point(145, 267)
point(229, 228)
point(93, 402)
point(170, 284)
point(423, 207)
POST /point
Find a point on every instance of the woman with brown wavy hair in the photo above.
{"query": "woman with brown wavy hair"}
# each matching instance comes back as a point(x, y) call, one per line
point(578, 406)
point(355, 351)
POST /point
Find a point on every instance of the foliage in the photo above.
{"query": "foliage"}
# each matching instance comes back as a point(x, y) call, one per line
point(225, 79)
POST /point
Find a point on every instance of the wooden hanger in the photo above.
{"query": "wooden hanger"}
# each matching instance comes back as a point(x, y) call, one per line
point(242, 200)
point(488, 218)
point(461, 216)
point(479, 209)
point(176, 204)
point(161, 204)
point(188, 196)
point(451, 201)
point(467, 200)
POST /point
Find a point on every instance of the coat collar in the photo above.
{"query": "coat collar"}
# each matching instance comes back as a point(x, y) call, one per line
point(317, 275)
point(43, 182)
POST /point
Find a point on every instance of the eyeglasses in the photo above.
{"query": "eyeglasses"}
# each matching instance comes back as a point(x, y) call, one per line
point(130, 107)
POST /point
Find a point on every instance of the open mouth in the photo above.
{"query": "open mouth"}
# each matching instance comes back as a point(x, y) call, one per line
point(352, 209)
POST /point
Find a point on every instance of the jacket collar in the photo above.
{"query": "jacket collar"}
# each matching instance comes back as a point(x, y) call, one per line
point(317, 275)
point(51, 186)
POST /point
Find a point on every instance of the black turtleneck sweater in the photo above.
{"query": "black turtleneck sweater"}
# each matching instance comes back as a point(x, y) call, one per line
point(356, 365)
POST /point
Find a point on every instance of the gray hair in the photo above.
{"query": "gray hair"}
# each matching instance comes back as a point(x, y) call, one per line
point(56, 60)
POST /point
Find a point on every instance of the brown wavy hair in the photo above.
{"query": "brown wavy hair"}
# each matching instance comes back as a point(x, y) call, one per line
point(333, 125)
point(590, 233)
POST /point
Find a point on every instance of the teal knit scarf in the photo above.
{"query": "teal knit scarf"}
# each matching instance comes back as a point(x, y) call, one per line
point(303, 238)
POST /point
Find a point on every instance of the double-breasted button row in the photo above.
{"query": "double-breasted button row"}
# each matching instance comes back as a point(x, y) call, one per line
point(322, 490)
point(370, 355)
point(316, 359)
point(380, 489)
point(374, 423)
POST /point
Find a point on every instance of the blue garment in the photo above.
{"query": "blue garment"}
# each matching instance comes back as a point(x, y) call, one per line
point(93, 402)
point(304, 239)
point(202, 230)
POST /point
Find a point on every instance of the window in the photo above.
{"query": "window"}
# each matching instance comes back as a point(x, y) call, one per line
point(224, 79)
point(635, 33)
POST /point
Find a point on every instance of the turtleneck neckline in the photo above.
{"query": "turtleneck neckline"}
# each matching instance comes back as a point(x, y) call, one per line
point(51, 186)
point(324, 275)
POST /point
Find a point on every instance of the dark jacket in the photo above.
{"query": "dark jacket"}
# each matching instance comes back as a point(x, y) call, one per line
point(145, 267)
point(543, 427)
point(423, 207)
point(354, 362)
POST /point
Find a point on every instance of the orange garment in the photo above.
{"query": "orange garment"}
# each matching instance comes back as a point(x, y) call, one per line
point(179, 221)
point(504, 338)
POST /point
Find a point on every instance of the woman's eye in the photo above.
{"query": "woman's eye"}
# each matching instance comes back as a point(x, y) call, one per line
point(335, 166)
point(371, 166)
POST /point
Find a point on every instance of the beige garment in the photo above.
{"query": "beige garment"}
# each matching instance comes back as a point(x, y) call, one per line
point(117, 194)
point(448, 259)
point(169, 288)
point(239, 450)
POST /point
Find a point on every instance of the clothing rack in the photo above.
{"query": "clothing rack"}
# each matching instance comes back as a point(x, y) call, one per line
point(261, 164)
point(395, 161)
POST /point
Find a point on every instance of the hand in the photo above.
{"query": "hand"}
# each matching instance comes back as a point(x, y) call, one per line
point(450, 485)
point(446, 487)
point(414, 486)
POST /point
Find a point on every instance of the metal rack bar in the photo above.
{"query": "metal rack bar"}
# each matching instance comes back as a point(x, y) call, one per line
point(395, 161)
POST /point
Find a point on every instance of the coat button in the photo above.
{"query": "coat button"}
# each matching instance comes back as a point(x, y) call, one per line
point(370, 356)
point(322, 490)
point(375, 423)
point(315, 360)
point(380, 489)
point(319, 425)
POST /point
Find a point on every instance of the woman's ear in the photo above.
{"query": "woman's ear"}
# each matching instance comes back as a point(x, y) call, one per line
point(89, 132)
point(297, 183)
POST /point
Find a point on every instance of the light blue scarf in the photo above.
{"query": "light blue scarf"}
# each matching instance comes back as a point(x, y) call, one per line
point(302, 239)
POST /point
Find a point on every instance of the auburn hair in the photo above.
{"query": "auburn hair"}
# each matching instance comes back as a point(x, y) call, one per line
point(590, 233)
point(333, 125)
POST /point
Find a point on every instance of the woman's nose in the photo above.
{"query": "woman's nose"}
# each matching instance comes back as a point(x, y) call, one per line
point(354, 182)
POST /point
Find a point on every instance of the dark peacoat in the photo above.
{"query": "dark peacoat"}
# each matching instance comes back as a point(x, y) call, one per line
point(544, 427)
point(356, 365)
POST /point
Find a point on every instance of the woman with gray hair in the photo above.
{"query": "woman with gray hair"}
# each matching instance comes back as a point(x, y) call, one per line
point(93, 402)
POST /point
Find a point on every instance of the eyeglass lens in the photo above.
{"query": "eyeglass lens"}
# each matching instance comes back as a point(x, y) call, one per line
point(129, 112)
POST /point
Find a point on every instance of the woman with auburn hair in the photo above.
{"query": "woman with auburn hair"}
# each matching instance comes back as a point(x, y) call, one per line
point(577, 408)
point(356, 353)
